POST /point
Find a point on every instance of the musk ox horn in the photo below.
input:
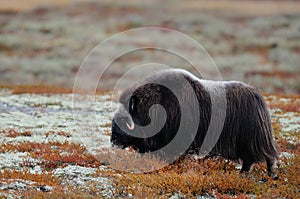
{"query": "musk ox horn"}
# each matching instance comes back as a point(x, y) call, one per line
point(131, 125)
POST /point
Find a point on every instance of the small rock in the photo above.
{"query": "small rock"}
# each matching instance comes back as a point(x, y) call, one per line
point(74, 171)
point(36, 170)
point(238, 166)
point(286, 155)
point(45, 188)
point(17, 186)
point(3, 186)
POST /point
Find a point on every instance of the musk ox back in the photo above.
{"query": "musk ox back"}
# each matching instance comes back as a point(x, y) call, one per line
point(246, 133)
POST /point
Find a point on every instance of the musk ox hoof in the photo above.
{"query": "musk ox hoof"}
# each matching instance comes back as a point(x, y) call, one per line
point(275, 177)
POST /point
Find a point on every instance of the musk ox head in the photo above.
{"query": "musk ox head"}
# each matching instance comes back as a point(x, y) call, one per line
point(147, 104)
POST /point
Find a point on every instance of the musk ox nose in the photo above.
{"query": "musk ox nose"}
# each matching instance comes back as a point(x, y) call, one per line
point(118, 138)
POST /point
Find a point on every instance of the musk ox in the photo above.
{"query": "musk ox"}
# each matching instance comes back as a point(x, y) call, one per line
point(246, 134)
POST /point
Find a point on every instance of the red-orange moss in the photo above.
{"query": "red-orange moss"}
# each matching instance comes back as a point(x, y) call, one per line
point(291, 104)
point(41, 89)
point(13, 133)
point(54, 154)
point(37, 89)
point(214, 176)
point(40, 179)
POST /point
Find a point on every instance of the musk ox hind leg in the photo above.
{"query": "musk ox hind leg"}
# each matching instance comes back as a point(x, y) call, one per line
point(271, 166)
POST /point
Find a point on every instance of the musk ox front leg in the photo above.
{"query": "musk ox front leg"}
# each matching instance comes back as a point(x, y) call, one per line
point(246, 166)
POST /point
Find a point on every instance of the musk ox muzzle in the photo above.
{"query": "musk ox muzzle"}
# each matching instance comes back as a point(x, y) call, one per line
point(246, 134)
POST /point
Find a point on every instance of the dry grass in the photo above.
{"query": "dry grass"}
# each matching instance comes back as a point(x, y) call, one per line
point(17, 5)
point(189, 177)
point(45, 89)
point(289, 104)
point(288, 107)
point(20, 147)
point(54, 154)
point(40, 179)
point(214, 176)
point(66, 192)
point(274, 73)
point(36, 89)
point(129, 161)
point(13, 133)
point(218, 177)
point(61, 133)
point(245, 7)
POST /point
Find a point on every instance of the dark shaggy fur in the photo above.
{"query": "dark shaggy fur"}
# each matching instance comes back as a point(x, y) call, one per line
point(247, 133)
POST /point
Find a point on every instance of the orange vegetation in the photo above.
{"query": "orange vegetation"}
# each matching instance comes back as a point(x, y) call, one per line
point(61, 133)
point(13, 133)
point(43, 89)
point(41, 179)
point(66, 192)
point(288, 104)
point(275, 73)
point(54, 154)
point(37, 89)
point(215, 176)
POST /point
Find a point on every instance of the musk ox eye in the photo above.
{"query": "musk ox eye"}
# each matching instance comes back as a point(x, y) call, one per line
point(132, 104)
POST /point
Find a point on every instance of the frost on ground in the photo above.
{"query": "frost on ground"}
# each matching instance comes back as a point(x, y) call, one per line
point(54, 119)
point(86, 119)
point(50, 119)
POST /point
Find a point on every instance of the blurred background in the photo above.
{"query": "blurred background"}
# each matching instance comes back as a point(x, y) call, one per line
point(45, 42)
